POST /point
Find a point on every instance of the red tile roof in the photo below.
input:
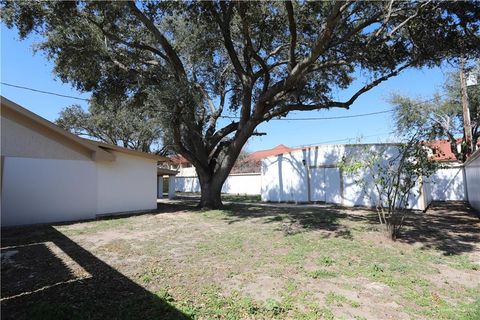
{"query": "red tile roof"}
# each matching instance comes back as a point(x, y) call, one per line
point(262, 154)
point(179, 159)
point(441, 150)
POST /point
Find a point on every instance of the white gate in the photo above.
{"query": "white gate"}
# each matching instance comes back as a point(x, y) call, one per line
point(325, 184)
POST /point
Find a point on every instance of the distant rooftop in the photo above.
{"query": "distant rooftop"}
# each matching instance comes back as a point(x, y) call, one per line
point(262, 154)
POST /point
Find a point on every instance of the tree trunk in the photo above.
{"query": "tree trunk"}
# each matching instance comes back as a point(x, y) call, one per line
point(211, 195)
point(211, 189)
point(211, 181)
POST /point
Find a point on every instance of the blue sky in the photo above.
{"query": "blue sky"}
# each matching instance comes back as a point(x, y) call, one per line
point(20, 66)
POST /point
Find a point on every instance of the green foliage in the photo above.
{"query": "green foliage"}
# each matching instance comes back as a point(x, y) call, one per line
point(442, 116)
point(131, 123)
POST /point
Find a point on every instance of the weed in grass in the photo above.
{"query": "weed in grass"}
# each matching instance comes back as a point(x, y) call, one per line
point(146, 278)
point(316, 313)
point(322, 273)
point(273, 307)
point(326, 261)
point(151, 274)
point(165, 295)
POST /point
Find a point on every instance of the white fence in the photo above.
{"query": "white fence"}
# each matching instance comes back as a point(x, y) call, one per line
point(472, 174)
point(246, 183)
point(314, 175)
point(447, 184)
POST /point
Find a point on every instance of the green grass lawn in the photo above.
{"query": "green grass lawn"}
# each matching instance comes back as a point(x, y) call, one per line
point(247, 262)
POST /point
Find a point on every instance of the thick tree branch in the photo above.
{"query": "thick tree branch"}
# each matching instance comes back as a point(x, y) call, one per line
point(220, 134)
point(369, 86)
point(251, 50)
point(170, 52)
point(332, 104)
point(224, 25)
point(322, 43)
point(292, 26)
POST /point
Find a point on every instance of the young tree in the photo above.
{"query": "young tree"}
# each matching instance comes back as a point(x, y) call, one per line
point(391, 176)
point(442, 116)
point(257, 60)
point(129, 123)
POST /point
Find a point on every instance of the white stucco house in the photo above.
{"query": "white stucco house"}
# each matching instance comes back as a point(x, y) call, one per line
point(50, 175)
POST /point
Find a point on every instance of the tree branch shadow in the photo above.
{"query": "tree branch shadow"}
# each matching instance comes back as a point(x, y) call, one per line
point(450, 227)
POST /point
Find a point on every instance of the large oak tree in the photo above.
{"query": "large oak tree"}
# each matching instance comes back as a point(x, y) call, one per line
point(254, 60)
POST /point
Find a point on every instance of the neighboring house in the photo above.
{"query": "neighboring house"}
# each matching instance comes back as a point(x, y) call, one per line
point(448, 183)
point(182, 165)
point(252, 162)
point(50, 175)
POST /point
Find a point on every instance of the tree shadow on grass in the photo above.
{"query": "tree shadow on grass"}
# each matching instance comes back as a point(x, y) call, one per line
point(52, 291)
point(298, 218)
point(451, 227)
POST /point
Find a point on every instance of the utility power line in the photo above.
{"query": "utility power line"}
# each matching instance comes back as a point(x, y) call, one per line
point(323, 118)
point(41, 91)
point(236, 117)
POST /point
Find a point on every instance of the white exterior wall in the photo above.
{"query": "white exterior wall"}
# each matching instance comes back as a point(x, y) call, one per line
point(472, 174)
point(427, 189)
point(187, 171)
point(171, 187)
point(127, 184)
point(47, 190)
point(248, 183)
point(447, 184)
point(24, 142)
point(46, 178)
point(187, 184)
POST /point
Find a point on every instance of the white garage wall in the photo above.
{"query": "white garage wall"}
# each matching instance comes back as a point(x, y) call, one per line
point(127, 184)
point(47, 190)
point(472, 174)
point(248, 183)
